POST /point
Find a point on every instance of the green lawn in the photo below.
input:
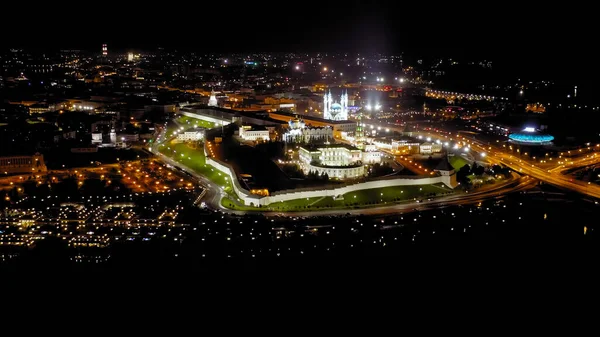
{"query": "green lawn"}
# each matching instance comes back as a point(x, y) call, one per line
point(383, 195)
point(457, 162)
point(228, 203)
point(194, 122)
point(195, 160)
point(364, 198)
point(171, 128)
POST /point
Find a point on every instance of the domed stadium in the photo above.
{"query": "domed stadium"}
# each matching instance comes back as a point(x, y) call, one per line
point(530, 138)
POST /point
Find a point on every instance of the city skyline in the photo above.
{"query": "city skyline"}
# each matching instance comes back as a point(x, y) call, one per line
point(224, 135)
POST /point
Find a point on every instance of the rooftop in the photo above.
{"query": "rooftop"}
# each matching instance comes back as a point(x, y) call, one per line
point(311, 118)
point(316, 147)
point(256, 127)
point(444, 165)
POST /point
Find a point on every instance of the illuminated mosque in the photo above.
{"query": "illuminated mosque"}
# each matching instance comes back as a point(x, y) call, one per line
point(335, 111)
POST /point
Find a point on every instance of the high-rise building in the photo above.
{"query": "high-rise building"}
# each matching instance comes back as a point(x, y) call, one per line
point(130, 57)
point(104, 50)
point(335, 111)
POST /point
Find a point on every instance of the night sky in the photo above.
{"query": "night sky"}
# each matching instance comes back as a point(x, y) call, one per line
point(537, 40)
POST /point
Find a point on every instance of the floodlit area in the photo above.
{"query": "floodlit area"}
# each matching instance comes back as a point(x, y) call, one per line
point(195, 122)
point(194, 159)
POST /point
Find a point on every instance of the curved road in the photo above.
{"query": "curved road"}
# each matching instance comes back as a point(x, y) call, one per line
point(514, 185)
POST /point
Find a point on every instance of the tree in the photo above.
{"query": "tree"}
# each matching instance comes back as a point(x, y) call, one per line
point(463, 173)
point(93, 186)
point(382, 169)
point(67, 187)
point(477, 169)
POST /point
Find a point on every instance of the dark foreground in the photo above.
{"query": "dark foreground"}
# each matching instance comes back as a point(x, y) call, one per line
point(226, 243)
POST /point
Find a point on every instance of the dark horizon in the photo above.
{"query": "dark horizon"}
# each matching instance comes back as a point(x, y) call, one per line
point(537, 44)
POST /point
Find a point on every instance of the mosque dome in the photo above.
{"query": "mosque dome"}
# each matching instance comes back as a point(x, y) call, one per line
point(336, 106)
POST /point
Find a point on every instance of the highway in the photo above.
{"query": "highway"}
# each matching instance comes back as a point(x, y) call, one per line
point(547, 172)
point(214, 194)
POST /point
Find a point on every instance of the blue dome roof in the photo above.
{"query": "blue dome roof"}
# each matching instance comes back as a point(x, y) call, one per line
point(531, 138)
point(336, 106)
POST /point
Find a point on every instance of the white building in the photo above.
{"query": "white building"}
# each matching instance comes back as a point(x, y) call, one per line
point(405, 147)
point(430, 148)
point(253, 133)
point(190, 136)
point(299, 133)
point(335, 111)
point(371, 155)
point(337, 161)
point(212, 101)
point(97, 138)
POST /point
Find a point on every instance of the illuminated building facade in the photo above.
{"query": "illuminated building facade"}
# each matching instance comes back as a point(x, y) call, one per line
point(299, 133)
point(337, 161)
point(430, 148)
point(254, 133)
point(190, 136)
point(104, 50)
point(338, 126)
point(23, 164)
point(212, 101)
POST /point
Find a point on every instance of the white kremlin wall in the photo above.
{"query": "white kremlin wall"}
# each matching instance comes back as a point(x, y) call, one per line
point(255, 200)
point(217, 121)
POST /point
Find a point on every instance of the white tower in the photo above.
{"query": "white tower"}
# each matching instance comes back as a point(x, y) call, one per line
point(212, 101)
point(344, 103)
point(326, 104)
